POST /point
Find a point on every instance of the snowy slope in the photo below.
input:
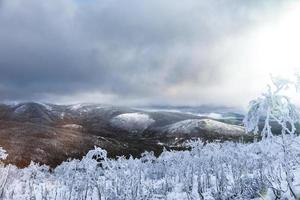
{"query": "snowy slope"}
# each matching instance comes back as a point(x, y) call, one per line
point(209, 125)
point(132, 122)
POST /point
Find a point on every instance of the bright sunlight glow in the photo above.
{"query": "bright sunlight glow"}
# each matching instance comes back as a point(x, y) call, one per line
point(274, 48)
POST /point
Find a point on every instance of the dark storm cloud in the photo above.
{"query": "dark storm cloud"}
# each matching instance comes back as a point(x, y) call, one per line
point(127, 48)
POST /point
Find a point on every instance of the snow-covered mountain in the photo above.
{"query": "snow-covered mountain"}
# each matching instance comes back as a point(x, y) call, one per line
point(132, 122)
point(49, 133)
point(190, 126)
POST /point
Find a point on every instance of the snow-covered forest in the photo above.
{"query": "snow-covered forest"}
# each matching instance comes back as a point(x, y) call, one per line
point(212, 171)
point(265, 169)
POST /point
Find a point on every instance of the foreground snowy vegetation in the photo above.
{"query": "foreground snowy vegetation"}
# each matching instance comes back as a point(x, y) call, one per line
point(268, 169)
point(211, 171)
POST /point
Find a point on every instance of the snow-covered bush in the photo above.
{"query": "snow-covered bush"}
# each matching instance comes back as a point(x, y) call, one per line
point(211, 171)
point(3, 154)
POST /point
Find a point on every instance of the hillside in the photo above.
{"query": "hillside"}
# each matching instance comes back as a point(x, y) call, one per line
point(49, 134)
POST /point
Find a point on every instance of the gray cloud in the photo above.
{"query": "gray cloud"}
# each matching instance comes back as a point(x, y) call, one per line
point(133, 50)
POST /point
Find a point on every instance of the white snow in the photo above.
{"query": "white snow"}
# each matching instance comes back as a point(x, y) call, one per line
point(62, 115)
point(72, 126)
point(188, 126)
point(212, 115)
point(85, 107)
point(47, 106)
point(21, 109)
point(76, 106)
point(212, 171)
point(24, 107)
point(132, 122)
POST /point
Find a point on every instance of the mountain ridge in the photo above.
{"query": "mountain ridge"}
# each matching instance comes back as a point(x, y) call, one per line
point(49, 133)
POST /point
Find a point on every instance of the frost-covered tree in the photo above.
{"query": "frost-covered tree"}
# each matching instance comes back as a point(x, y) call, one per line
point(274, 106)
point(206, 171)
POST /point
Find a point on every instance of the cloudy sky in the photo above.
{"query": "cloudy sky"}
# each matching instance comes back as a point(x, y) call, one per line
point(145, 51)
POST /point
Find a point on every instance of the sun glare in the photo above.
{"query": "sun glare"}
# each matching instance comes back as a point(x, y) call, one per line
point(278, 44)
point(274, 48)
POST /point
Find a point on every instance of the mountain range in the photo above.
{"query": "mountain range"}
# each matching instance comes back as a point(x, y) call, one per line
point(49, 134)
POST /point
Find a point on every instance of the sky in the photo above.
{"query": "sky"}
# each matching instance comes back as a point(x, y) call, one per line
point(145, 52)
